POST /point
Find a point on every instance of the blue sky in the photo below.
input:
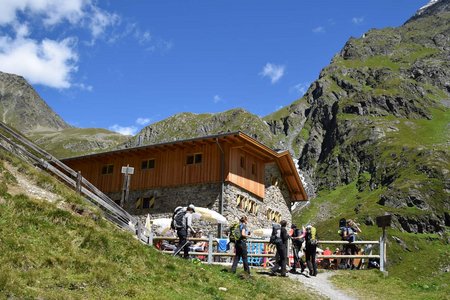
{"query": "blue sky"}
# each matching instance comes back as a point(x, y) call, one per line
point(122, 65)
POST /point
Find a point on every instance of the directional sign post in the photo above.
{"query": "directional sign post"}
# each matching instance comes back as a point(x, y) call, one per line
point(127, 172)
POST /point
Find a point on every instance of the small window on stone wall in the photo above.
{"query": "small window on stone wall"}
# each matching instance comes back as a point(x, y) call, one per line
point(247, 205)
point(273, 215)
point(145, 203)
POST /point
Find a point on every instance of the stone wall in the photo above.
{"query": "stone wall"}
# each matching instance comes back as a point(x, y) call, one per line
point(277, 199)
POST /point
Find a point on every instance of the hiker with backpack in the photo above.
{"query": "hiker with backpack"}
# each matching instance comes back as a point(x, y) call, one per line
point(280, 238)
point(238, 236)
point(298, 237)
point(310, 249)
point(182, 222)
point(348, 233)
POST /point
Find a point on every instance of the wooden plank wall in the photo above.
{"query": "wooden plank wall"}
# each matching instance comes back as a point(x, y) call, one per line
point(170, 167)
point(242, 176)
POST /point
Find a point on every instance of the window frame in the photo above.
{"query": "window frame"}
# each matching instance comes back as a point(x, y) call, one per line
point(147, 164)
point(107, 169)
point(194, 158)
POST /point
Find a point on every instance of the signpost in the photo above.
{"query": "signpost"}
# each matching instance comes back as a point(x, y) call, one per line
point(383, 221)
point(127, 172)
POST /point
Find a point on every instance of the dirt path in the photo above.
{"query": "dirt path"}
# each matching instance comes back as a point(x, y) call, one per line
point(323, 286)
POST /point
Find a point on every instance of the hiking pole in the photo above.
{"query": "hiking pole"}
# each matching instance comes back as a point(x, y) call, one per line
point(179, 250)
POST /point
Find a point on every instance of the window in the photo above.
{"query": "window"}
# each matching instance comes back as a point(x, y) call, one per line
point(149, 202)
point(194, 159)
point(107, 169)
point(148, 164)
point(242, 162)
point(145, 203)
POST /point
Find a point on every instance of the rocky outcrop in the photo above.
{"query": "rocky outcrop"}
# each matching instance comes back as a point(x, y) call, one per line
point(354, 119)
point(22, 108)
point(190, 125)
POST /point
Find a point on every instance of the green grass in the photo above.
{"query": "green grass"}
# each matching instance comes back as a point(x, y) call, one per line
point(416, 271)
point(48, 251)
point(423, 132)
point(77, 141)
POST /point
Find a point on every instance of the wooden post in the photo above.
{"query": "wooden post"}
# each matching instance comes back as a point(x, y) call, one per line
point(79, 178)
point(150, 238)
point(382, 254)
point(139, 229)
point(126, 171)
point(210, 248)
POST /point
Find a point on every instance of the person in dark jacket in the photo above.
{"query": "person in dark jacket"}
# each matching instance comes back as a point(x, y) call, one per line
point(241, 247)
point(183, 231)
point(281, 255)
point(298, 237)
point(310, 249)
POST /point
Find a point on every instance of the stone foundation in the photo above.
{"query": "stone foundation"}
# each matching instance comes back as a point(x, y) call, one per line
point(276, 201)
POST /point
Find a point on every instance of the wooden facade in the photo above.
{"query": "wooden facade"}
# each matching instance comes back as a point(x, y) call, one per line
point(235, 157)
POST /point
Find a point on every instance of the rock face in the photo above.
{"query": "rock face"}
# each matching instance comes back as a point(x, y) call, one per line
point(189, 125)
point(21, 106)
point(371, 114)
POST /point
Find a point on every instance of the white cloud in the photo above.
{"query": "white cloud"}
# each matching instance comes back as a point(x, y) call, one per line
point(142, 121)
point(47, 62)
point(99, 20)
point(357, 20)
point(84, 87)
point(274, 72)
point(300, 88)
point(130, 130)
point(319, 29)
point(217, 99)
point(51, 12)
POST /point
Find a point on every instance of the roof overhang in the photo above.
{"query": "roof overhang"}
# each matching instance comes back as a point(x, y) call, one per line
point(283, 159)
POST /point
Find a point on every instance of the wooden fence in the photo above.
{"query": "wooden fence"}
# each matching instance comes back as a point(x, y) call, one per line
point(211, 253)
point(18, 145)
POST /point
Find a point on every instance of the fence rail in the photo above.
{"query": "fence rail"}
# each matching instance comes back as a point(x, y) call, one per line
point(212, 242)
point(21, 146)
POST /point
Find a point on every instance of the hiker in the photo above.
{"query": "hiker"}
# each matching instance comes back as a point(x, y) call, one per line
point(349, 234)
point(310, 249)
point(298, 238)
point(326, 262)
point(241, 246)
point(280, 240)
point(183, 225)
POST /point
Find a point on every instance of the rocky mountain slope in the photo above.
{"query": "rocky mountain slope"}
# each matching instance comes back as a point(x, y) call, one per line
point(190, 125)
point(378, 116)
point(22, 108)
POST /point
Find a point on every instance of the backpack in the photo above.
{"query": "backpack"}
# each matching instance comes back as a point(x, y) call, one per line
point(235, 232)
point(177, 218)
point(297, 242)
point(310, 236)
point(275, 238)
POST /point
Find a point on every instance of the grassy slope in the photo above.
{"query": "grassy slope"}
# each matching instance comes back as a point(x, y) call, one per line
point(416, 270)
point(77, 141)
point(49, 252)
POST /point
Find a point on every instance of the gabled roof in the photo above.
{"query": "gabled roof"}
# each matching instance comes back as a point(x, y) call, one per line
point(283, 159)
